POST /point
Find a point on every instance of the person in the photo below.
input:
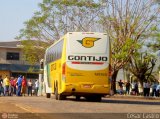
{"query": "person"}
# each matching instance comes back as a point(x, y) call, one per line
point(128, 85)
point(121, 86)
point(15, 85)
point(11, 87)
point(148, 88)
point(6, 85)
point(36, 87)
point(145, 88)
point(1, 85)
point(24, 85)
point(154, 86)
point(136, 88)
point(19, 84)
point(30, 87)
point(158, 90)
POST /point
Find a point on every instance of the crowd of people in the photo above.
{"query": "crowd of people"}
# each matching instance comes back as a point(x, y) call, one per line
point(149, 89)
point(18, 86)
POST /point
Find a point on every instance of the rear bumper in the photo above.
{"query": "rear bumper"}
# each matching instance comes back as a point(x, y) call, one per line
point(80, 89)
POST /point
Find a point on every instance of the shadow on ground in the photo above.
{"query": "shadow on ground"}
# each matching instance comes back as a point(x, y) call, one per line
point(120, 101)
point(130, 102)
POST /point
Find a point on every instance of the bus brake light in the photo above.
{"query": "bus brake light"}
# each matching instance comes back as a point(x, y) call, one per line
point(64, 69)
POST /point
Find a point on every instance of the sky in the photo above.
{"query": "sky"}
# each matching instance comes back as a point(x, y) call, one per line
point(13, 13)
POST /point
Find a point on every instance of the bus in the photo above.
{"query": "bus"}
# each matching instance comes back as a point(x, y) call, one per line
point(78, 65)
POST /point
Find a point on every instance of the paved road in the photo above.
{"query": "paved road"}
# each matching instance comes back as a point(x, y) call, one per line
point(42, 107)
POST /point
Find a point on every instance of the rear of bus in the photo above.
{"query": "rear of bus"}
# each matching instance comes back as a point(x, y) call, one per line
point(87, 64)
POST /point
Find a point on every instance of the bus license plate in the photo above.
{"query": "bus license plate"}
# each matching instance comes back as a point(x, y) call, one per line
point(87, 86)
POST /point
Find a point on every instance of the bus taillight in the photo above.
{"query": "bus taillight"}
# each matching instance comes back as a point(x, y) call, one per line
point(64, 69)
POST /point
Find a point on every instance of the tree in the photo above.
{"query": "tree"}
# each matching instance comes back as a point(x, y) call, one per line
point(154, 46)
point(33, 50)
point(154, 43)
point(56, 18)
point(141, 66)
point(128, 23)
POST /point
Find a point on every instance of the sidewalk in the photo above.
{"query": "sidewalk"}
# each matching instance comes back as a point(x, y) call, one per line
point(134, 97)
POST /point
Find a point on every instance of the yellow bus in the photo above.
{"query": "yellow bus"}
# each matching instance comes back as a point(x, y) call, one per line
point(78, 65)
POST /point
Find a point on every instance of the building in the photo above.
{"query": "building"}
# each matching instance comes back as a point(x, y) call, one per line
point(12, 63)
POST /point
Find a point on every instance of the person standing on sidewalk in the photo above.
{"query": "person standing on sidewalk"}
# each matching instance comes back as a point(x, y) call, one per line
point(154, 86)
point(128, 85)
point(19, 84)
point(148, 88)
point(6, 85)
point(121, 87)
point(136, 88)
point(158, 90)
point(30, 87)
point(36, 87)
point(11, 87)
point(24, 86)
point(1, 85)
point(145, 88)
point(14, 85)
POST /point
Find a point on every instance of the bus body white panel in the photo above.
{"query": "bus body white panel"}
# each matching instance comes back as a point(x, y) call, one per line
point(47, 88)
point(89, 49)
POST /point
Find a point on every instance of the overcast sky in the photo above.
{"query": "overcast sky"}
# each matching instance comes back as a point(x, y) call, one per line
point(13, 13)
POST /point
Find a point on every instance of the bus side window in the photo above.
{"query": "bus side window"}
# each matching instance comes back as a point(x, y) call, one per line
point(52, 53)
point(56, 52)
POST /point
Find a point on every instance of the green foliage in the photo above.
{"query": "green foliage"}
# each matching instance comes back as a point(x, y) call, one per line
point(141, 66)
point(56, 18)
point(33, 50)
point(129, 24)
point(154, 43)
point(126, 24)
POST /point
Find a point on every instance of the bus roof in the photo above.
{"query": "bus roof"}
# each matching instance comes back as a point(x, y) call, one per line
point(74, 33)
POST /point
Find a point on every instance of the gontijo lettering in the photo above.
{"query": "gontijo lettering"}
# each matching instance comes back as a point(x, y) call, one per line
point(87, 58)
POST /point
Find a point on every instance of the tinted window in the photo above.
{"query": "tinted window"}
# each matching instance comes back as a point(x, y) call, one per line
point(12, 56)
point(55, 52)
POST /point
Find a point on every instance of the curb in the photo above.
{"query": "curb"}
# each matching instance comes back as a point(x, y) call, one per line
point(133, 97)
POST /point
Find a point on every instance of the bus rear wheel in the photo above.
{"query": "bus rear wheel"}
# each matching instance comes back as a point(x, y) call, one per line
point(48, 95)
point(59, 96)
point(56, 92)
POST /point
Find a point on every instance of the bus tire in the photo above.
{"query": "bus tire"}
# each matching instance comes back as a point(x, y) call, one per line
point(48, 95)
point(56, 93)
point(61, 97)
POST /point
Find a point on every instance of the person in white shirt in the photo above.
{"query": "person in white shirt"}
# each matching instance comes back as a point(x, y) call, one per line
point(146, 88)
point(30, 87)
point(154, 86)
point(157, 90)
point(36, 87)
